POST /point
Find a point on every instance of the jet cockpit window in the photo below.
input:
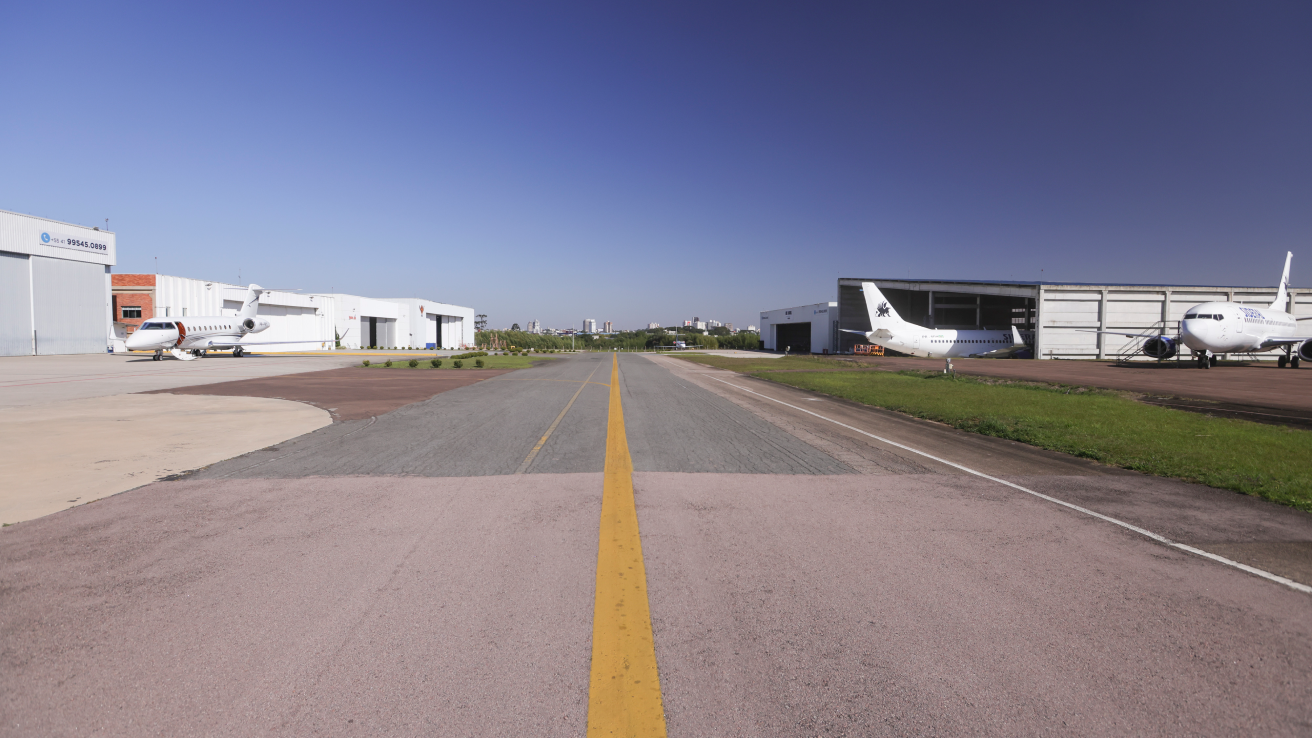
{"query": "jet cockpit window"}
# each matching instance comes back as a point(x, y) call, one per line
point(152, 326)
point(1190, 316)
point(1218, 316)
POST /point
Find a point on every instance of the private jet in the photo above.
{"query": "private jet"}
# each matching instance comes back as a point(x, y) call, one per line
point(193, 337)
point(1230, 328)
point(890, 331)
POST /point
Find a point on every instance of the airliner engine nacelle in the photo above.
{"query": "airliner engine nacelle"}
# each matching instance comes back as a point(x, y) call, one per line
point(1160, 347)
point(254, 325)
point(1305, 351)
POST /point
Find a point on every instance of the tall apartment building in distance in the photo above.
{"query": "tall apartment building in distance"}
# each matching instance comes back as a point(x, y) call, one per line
point(607, 328)
point(589, 325)
point(653, 326)
point(535, 326)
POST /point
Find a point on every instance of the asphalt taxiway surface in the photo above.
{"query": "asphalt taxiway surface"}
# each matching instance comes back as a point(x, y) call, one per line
point(812, 567)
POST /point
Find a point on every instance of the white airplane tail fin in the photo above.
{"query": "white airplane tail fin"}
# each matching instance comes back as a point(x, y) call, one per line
point(881, 312)
point(252, 304)
point(1282, 295)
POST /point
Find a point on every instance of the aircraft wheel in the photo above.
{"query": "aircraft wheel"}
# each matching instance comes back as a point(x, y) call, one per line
point(1211, 361)
point(237, 352)
point(1281, 361)
point(1294, 362)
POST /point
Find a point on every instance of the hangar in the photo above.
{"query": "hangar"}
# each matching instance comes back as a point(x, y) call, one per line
point(309, 322)
point(54, 286)
point(1056, 318)
point(806, 329)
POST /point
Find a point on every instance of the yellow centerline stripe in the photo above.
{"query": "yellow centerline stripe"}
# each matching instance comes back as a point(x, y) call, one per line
point(624, 695)
point(523, 467)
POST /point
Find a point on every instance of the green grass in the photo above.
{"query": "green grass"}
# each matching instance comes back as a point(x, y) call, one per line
point(1263, 460)
point(490, 362)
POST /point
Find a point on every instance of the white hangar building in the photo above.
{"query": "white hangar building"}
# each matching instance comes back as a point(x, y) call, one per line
point(1056, 318)
point(403, 322)
point(54, 286)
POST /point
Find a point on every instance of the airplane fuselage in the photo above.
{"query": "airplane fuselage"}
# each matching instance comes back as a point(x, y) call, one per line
point(1228, 328)
point(917, 340)
point(200, 333)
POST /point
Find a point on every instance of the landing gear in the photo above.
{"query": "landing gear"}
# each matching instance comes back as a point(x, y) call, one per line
point(237, 353)
point(1211, 361)
point(1204, 361)
point(1281, 361)
point(1293, 363)
point(159, 354)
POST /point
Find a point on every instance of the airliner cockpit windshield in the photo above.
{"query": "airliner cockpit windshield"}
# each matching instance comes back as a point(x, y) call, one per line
point(155, 326)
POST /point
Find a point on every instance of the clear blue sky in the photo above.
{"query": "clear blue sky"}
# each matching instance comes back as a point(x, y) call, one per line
point(631, 163)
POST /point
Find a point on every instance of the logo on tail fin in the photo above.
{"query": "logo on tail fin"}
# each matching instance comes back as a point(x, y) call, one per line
point(882, 310)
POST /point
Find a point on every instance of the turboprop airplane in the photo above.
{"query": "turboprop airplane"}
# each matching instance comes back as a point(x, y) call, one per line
point(890, 331)
point(1230, 328)
point(189, 338)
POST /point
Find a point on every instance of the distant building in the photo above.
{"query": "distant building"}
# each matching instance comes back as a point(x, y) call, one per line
point(535, 326)
point(653, 326)
point(699, 324)
point(589, 325)
point(751, 328)
point(713, 324)
point(607, 327)
point(730, 327)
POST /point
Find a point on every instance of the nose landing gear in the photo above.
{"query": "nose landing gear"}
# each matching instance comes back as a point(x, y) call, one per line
point(159, 354)
point(238, 352)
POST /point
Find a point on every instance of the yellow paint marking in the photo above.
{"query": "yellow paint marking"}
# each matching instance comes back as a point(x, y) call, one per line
point(624, 696)
point(523, 467)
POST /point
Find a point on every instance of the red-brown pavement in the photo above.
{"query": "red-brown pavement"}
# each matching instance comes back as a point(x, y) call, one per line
point(855, 589)
point(1259, 384)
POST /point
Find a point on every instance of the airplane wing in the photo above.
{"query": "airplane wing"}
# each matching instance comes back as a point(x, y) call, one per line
point(243, 344)
point(1122, 333)
point(1283, 341)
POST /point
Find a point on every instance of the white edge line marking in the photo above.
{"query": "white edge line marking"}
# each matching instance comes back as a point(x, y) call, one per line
point(1159, 538)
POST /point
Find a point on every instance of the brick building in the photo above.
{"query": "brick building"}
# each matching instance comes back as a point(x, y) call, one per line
point(133, 299)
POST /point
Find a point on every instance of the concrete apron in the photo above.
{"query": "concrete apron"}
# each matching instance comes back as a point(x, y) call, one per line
point(62, 454)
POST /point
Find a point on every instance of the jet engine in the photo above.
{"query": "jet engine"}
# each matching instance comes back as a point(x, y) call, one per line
point(1305, 351)
point(248, 324)
point(1160, 347)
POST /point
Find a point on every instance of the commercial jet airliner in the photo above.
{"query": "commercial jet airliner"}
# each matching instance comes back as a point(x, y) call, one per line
point(1230, 328)
point(190, 338)
point(890, 331)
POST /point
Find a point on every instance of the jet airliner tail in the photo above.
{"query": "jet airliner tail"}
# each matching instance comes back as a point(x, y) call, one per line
point(1282, 295)
point(881, 312)
point(252, 304)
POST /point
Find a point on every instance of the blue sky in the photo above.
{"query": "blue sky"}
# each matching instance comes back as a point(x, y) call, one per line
point(631, 164)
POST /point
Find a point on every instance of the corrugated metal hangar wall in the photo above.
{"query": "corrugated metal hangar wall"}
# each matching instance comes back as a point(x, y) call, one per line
point(1057, 318)
point(54, 286)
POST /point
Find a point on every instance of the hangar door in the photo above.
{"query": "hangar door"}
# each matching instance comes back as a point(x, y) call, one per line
point(15, 306)
point(793, 337)
point(69, 306)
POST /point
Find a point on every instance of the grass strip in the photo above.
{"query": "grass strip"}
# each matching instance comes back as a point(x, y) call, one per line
point(1263, 460)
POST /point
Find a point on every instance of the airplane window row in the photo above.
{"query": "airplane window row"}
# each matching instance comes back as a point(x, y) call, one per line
point(1203, 316)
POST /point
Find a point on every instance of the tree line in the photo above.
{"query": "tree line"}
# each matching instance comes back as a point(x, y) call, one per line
point(643, 340)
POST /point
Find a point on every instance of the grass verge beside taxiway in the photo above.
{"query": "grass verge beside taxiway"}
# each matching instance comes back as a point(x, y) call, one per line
point(1263, 460)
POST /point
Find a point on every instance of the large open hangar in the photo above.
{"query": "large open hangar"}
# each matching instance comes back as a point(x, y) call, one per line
point(54, 286)
point(1058, 318)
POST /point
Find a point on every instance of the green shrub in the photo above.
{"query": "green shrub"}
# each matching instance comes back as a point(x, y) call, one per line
point(436, 363)
point(414, 363)
point(458, 364)
point(470, 355)
point(366, 362)
point(478, 363)
point(387, 363)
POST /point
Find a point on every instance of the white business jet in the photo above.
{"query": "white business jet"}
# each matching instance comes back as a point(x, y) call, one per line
point(890, 331)
point(1230, 328)
point(192, 337)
